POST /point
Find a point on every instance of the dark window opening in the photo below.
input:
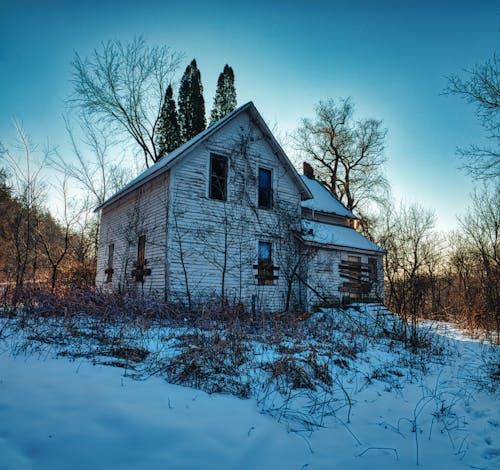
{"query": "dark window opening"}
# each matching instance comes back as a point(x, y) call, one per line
point(109, 270)
point(265, 269)
point(218, 177)
point(265, 189)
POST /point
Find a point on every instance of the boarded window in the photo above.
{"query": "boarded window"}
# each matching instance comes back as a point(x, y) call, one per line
point(141, 250)
point(109, 270)
point(355, 263)
point(218, 177)
point(372, 269)
point(355, 273)
point(265, 269)
point(265, 189)
point(140, 265)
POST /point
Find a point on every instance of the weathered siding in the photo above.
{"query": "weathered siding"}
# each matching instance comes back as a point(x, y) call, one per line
point(144, 211)
point(208, 238)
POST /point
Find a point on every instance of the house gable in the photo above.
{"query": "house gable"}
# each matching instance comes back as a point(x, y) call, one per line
point(209, 237)
point(180, 153)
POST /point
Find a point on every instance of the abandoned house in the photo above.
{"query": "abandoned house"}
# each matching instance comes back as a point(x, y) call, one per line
point(227, 215)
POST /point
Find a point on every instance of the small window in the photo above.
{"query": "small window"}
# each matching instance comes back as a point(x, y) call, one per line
point(218, 177)
point(265, 269)
point(109, 270)
point(265, 189)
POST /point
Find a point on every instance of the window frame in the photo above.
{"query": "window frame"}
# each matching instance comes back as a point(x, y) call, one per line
point(270, 189)
point(211, 187)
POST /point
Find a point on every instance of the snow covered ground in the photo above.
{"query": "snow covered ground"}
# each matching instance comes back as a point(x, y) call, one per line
point(58, 412)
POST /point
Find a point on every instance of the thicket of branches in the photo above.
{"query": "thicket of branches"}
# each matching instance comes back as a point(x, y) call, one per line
point(35, 247)
point(453, 278)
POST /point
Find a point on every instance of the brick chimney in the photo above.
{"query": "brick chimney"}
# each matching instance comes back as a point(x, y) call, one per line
point(308, 170)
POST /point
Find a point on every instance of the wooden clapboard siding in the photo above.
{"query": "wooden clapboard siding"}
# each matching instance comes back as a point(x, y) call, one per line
point(143, 211)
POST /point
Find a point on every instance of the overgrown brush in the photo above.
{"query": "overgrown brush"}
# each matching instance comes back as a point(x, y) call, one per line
point(298, 367)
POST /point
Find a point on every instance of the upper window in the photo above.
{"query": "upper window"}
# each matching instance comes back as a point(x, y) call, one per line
point(218, 177)
point(265, 189)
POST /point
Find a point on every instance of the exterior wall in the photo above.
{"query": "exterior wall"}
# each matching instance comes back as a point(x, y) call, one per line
point(144, 211)
point(212, 242)
point(322, 272)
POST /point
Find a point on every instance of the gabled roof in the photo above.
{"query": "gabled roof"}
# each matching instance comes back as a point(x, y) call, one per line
point(173, 157)
point(323, 200)
point(336, 236)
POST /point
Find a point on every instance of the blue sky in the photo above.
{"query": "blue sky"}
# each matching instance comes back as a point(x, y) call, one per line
point(390, 57)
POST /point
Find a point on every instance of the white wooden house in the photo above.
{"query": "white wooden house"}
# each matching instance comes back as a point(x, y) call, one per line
point(226, 214)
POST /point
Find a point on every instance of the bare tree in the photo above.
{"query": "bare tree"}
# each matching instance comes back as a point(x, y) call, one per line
point(477, 245)
point(95, 167)
point(56, 237)
point(122, 86)
point(347, 154)
point(481, 88)
point(29, 191)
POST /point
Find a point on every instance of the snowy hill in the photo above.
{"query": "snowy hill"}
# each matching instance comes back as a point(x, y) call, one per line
point(342, 392)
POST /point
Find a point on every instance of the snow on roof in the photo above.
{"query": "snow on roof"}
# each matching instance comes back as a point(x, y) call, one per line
point(166, 162)
point(338, 235)
point(323, 200)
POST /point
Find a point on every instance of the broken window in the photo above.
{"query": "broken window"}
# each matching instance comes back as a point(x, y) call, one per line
point(265, 269)
point(265, 189)
point(218, 177)
point(109, 270)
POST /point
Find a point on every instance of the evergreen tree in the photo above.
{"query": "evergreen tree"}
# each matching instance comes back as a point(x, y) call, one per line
point(168, 135)
point(191, 103)
point(225, 95)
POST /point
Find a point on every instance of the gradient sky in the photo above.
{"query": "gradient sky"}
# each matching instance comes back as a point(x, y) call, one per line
point(390, 57)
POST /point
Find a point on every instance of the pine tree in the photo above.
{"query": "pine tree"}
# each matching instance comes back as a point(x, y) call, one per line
point(191, 103)
point(185, 105)
point(168, 135)
point(225, 95)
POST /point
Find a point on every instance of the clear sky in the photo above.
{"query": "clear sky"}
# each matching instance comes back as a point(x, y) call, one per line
point(391, 57)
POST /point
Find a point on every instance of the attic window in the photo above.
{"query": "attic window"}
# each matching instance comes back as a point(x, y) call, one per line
point(218, 177)
point(265, 189)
